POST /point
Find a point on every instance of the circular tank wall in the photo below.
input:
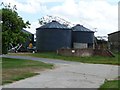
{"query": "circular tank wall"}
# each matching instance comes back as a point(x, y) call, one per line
point(52, 39)
point(83, 37)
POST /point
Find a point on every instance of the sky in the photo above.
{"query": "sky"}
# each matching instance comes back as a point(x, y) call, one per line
point(97, 15)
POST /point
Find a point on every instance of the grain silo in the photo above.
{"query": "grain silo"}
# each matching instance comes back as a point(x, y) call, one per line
point(53, 36)
point(82, 37)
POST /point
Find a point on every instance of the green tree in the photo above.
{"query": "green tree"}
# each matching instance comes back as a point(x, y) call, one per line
point(12, 25)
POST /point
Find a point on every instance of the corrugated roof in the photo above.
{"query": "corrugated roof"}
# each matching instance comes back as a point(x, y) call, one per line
point(25, 31)
point(79, 27)
point(114, 32)
point(54, 24)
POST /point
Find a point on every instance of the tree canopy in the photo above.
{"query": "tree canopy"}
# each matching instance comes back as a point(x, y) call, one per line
point(47, 19)
point(12, 25)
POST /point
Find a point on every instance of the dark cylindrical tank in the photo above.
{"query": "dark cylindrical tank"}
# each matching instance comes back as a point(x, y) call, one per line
point(53, 36)
point(82, 37)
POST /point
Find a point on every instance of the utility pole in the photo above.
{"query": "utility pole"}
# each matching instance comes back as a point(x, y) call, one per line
point(94, 41)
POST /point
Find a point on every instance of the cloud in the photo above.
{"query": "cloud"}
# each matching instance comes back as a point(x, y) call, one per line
point(98, 14)
point(48, 1)
point(33, 27)
point(28, 6)
point(94, 14)
point(68, 8)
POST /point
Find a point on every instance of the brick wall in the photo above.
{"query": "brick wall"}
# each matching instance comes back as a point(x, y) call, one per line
point(76, 52)
point(84, 52)
point(103, 52)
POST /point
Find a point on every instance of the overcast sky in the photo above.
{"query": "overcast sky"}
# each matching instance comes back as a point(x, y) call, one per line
point(100, 14)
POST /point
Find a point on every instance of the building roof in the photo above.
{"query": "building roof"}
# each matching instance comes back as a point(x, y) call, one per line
point(25, 31)
point(54, 24)
point(114, 32)
point(79, 27)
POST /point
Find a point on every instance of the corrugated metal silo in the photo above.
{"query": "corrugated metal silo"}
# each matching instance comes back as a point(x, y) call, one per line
point(53, 36)
point(82, 37)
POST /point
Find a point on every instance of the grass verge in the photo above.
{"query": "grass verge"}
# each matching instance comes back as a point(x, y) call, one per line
point(110, 85)
point(91, 59)
point(17, 69)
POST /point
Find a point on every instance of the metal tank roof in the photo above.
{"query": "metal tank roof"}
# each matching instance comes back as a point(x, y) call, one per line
point(79, 27)
point(54, 24)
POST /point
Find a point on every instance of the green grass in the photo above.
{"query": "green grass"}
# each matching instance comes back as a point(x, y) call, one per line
point(110, 85)
point(8, 63)
point(91, 59)
point(17, 69)
point(0, 70)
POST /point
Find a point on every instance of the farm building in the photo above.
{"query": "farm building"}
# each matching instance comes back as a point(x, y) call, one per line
point(82, 37)
point(29, 40)
point(22, 47)
point(114, 41)
point(53, 36)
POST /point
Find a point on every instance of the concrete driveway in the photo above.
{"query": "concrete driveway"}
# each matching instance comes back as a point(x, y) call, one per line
point(67, 75)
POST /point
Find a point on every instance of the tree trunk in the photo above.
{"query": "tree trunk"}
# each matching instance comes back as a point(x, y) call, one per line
point(4, 49)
